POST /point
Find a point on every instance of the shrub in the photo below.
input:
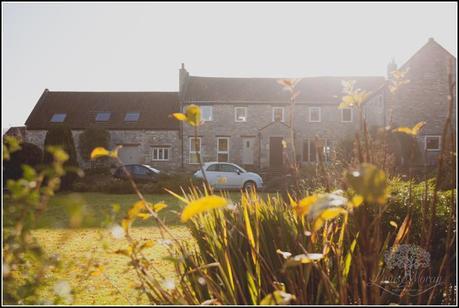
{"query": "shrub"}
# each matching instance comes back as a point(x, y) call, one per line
point(91, 138)
point(61, 135)
point(327, 248)
point(27, 268)
point(29, 154)
point(104, 182)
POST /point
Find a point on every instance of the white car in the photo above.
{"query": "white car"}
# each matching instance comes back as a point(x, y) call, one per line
point(229, 176)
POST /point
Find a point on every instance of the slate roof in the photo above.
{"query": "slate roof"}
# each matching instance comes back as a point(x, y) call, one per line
point(81, 109)
point(325, 90)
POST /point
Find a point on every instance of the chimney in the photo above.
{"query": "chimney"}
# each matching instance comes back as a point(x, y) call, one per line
point(183, 77)
point(431, 39)
point(392, 66)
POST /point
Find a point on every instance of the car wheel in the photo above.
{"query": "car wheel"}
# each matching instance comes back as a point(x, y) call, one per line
point(249, 185)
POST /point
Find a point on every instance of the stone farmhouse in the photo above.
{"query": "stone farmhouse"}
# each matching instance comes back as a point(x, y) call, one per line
point(246, 120)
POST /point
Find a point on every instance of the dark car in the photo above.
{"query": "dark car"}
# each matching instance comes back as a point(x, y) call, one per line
point(140, 173)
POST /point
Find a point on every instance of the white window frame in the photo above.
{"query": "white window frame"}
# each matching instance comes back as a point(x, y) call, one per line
point(352, 115)
point(432, 136)
point(235, 114)
point(223, 152)
point(310, 109)
point(158, 149)
point(310, 141)
point(190, 152)
point(273, 113)
point(211, 113)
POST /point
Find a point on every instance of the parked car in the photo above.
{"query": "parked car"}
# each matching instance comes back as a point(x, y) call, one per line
point(229, 176)
point(140, 173)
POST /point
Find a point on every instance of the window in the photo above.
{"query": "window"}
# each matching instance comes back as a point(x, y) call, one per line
point(432, 143)
point(314, 114)
point(160, 153)
point(222, 149)
point(278, 114)
point(195, 149)
point(206, 113)
point(326, 150)
point(132, 116)
point(346, 115)
point(103, 116)
point(240, 114)
point(213, 167)
point(229, 168)
point(140, 170)
point(58, 117)
point(310, 150)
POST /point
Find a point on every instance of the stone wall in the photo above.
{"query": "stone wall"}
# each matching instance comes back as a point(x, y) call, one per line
point(259, 124)
point(425, 97)
point(144, 138)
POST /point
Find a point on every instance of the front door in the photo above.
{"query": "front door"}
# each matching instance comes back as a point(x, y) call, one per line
point(275, 152)
point(248, 150)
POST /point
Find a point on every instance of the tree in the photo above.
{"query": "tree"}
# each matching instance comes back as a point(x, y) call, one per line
point(91, 138)
point(61, 135)
point(29, 154)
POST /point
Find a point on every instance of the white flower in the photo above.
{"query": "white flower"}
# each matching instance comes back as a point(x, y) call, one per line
point(62, 288)
point(117, 232)
point(201, 281)
point(165, 242)
point(168, 284)
point(6, 270)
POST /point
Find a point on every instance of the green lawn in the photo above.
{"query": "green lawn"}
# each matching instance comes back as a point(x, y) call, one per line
point(75, 246)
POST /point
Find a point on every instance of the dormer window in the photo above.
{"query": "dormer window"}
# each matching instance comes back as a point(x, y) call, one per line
point(103, 116)
point(132, 116)
point(58, 117)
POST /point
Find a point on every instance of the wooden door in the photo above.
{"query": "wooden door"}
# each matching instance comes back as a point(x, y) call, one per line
point(275, 152)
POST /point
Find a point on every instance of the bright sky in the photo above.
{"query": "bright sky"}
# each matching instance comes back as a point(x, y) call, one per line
point(139, 46)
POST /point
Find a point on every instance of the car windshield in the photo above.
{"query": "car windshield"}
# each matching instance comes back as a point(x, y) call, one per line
point(151, 168)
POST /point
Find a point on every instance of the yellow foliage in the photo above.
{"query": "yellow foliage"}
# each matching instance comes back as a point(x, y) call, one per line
point(353, 97)
point(325, 215)
point(357, 200)
point(159, 206)
point(102, 152)
point(369, 182)
point(202, 205)
point(303, 207)
point(192, 115)
point(136, 209)
point(125, 223)
point(414, 131)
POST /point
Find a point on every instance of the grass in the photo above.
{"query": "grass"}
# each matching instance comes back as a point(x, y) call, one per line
point(75, 246)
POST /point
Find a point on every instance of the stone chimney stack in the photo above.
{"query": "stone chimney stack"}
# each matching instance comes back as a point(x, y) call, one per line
point(392, 66)
point(183, 78)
